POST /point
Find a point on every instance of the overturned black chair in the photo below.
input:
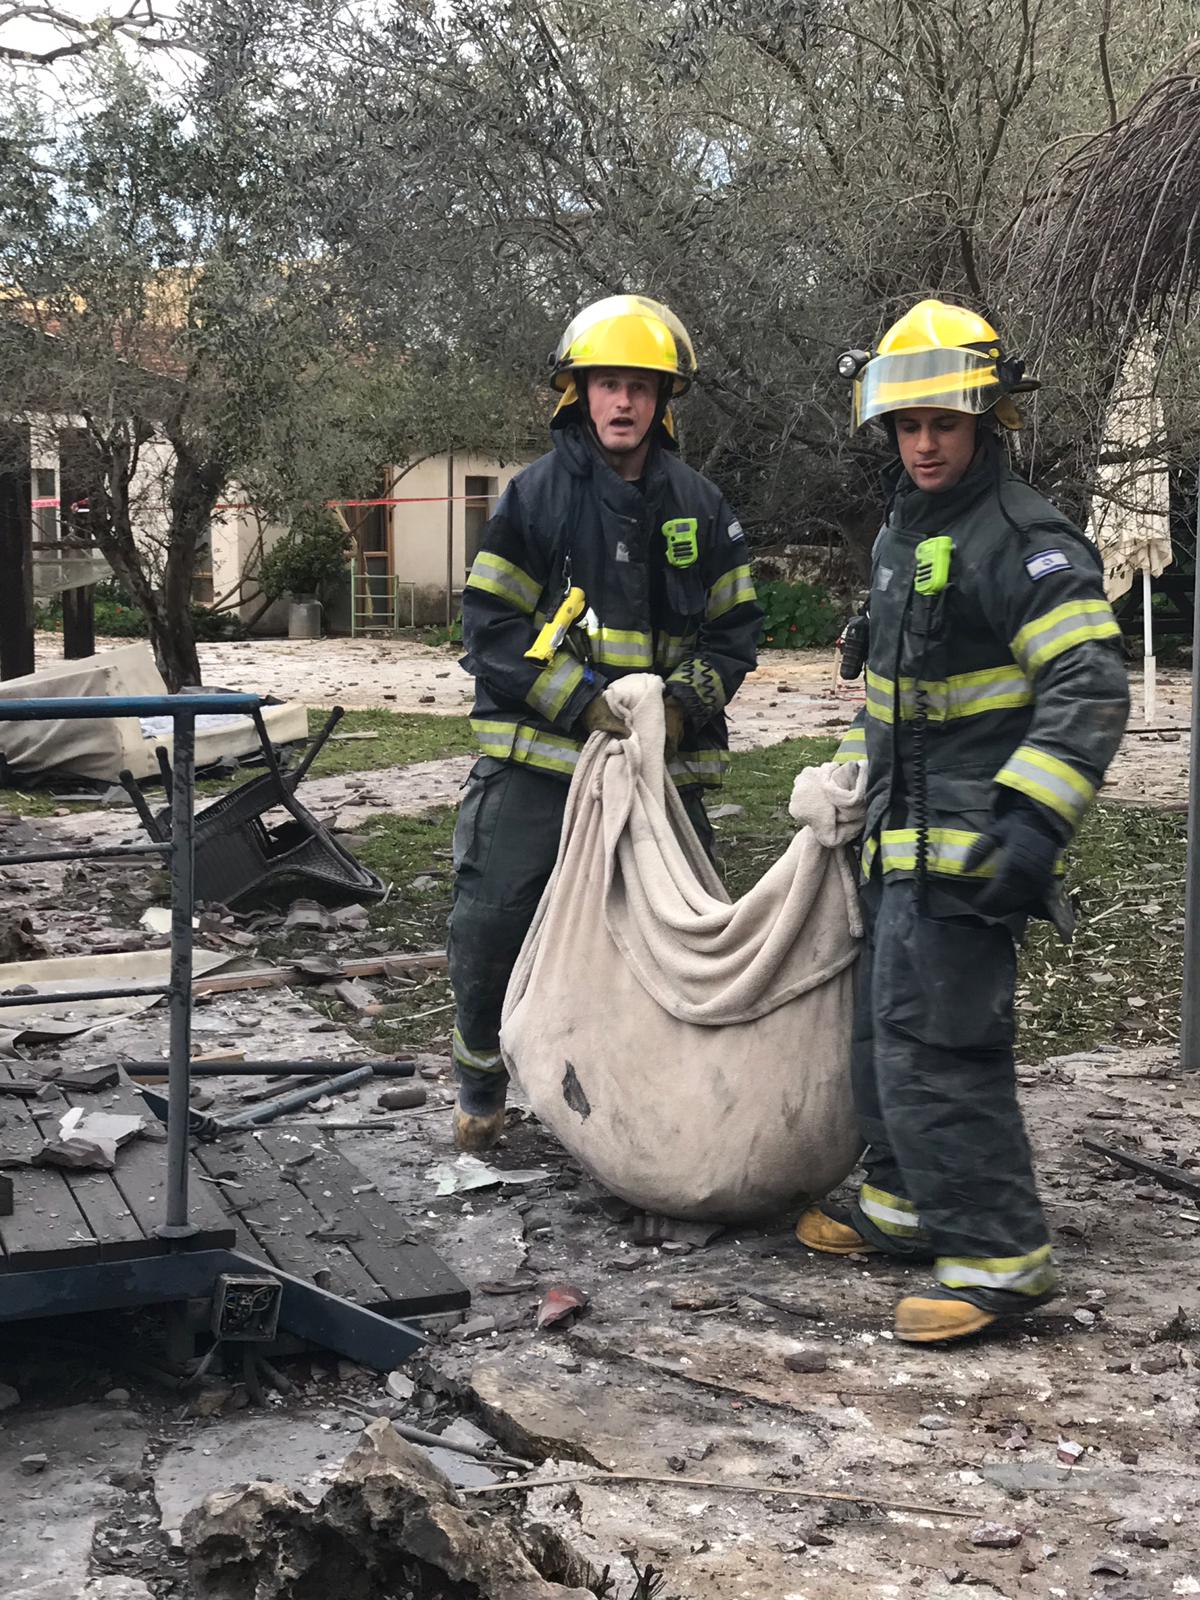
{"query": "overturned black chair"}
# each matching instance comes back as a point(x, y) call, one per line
point(240, 857)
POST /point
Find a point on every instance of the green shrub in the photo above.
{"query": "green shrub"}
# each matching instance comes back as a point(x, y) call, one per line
point(118, 618)
point(309, 559)
point(797, 616)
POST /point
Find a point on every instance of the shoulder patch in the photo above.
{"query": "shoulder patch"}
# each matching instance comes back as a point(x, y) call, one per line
point(1045, 562)
point(735, 531)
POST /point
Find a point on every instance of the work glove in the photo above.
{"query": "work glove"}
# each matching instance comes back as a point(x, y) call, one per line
point(599, 717)
point(674, 715)
point(1024, 847)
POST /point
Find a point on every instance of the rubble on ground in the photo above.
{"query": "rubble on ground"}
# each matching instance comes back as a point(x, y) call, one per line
point(390, 1521)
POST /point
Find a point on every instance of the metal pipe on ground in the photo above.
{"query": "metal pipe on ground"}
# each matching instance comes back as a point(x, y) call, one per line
point(392, 1067)
point(270, 1109)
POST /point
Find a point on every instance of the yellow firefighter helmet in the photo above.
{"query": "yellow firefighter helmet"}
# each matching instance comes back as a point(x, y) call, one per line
point(936, 355)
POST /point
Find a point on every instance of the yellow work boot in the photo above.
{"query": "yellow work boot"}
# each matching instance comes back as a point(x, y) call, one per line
point(818, 1230)
point(477, 1133)
point(932, 1318)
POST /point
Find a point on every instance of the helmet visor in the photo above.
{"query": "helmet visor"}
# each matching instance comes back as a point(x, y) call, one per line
point(953, 380)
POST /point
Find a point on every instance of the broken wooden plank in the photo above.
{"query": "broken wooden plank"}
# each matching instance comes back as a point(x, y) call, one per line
point(282, 1221)
point(1169, 1177)
point(413, 1279)
point(287, 977)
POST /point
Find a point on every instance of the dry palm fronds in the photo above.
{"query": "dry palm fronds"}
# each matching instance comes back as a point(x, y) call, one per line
point(1114, 238)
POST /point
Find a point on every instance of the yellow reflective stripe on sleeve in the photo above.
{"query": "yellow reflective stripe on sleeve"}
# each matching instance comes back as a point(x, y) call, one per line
point(555, 685)
point(869, 852)
point(948, 849)
point(691, 767)
point(1045, 778)
point(502, 578)
point(881, 693)
point(1061, 629)
point(481, 1062)
point(669, 651)
point(1033, 1274)
point(512, 741)
point(730, 589)
point(853, 746)
point(889, 1213)
point(622, 647)
point(965, 694)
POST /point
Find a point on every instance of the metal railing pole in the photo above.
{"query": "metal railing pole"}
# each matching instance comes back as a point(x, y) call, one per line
point(183, 854)
point(1189, 1035)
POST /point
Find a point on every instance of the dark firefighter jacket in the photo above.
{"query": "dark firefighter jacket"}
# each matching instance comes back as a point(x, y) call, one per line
point(695, 626)
point(1017, 666)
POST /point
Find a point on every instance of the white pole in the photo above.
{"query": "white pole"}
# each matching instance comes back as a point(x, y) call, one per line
point(1149, 685)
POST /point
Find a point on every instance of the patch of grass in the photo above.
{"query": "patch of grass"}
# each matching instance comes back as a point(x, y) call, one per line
point(1120, 980)
point(413, 855)
point(400, 738)
point(760, 781)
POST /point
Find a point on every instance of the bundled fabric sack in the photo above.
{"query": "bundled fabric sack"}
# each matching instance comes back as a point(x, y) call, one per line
point(691, 1053)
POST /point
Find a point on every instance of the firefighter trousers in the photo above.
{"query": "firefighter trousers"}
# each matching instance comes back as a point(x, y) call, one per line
point(949, 1172)
point(505, 846)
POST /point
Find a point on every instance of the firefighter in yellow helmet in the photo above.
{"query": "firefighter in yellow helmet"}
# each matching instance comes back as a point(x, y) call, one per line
point(995, 699)
point(653, 566)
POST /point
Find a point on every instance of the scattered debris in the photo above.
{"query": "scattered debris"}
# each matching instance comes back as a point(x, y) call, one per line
point(649, 1229)
point(807, 1361)
point(996, 1536)
point(413, 1094)
point(1109, 1566)
point(1179, 1327)
point(77, 1155)
point(389, 1523)
point(561, 1305)
point(469, 1172)
point(30, 1466)
point(1169, 1177)
point(1141, 1533)
point(1069, 1452)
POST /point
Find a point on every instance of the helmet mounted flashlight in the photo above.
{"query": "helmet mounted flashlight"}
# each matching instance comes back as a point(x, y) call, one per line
point(851, 362)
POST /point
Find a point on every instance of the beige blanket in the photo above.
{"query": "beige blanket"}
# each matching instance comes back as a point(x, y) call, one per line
point(691, 1052)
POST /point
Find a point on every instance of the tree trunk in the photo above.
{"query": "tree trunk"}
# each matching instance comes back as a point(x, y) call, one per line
point(196, 485)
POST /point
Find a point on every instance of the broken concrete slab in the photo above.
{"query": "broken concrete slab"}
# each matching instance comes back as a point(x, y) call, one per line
point(300, 1452)
point(390, 1519)
point(47, 1522)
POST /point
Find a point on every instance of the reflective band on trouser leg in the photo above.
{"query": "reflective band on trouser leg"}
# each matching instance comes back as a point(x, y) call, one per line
point(730, 589)
point(1060, 630)
point(889, 1213)
point(1033, 1274)
point(555, 685)
point(478, 1060)
point(853, 746)
point(1045, 778)
point(494, 575)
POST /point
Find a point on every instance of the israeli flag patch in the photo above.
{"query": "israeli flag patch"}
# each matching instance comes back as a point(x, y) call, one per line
point(1046, 562)
point(734, 532)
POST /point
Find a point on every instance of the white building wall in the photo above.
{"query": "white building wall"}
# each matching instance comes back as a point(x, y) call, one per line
point(429, 534)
